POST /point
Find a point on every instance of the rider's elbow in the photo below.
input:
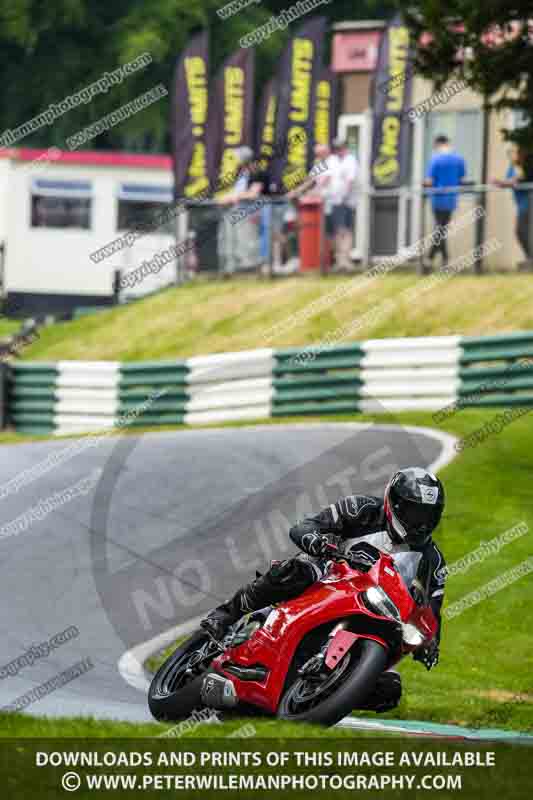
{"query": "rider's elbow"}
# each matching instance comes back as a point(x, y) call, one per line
point(295, 534)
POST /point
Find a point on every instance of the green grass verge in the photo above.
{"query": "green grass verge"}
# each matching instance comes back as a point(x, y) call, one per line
point(24, 726)
point(8, 326)
point(484, 677)
point(242, 314)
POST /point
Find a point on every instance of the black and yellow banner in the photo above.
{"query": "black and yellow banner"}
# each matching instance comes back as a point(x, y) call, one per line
point(390, 97)
point(189, 119)
point(266, 126)
point(297, 76)
point(230, 120)
point(324, 107)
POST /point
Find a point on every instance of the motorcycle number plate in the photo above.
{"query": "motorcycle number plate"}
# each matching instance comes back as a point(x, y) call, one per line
point(338, 647)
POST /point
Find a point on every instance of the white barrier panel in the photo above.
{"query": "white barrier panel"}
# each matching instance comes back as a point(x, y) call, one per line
point(229, 400)
point(71, 423)
point(228, 366)
point(201, 390)
point(416, 388)
point(407, 374)
point(227, 415)
point(410, 358)
point(415, 343)
point(69, 405)
point(88, 374)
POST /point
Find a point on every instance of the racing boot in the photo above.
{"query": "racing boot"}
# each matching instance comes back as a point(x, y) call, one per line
point(221, 618)
point(283, 581)
point(387, 693)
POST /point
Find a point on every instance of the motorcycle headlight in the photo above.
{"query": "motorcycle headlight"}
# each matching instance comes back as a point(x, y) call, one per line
point(411, 635)
point(379, 602)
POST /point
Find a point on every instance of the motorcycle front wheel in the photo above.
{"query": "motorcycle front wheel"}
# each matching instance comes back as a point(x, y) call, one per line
point(175, 690)
point(327, 700)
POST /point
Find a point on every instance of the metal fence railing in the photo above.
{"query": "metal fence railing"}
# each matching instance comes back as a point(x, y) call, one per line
point(277, 236)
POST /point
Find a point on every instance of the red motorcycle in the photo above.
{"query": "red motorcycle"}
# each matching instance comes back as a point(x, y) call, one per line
point(314, 659)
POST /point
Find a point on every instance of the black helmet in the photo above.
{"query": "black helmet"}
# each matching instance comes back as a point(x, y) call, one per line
point(413, 502)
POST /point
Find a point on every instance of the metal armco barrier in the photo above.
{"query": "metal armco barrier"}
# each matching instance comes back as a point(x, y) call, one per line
point(402, 374)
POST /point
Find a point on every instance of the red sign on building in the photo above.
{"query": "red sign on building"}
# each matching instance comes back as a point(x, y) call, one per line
point(355, 51)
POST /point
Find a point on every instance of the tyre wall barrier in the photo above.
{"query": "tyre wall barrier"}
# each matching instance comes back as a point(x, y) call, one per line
point(429, 373)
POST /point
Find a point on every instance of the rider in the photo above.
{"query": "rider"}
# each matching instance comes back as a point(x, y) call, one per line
point(401, 523)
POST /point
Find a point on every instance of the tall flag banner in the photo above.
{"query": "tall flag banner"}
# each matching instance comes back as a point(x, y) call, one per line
point(230, 119)
point(324, 108)
point(390, 98)
point(297, 75)
point(266, 126)
point(189, 119)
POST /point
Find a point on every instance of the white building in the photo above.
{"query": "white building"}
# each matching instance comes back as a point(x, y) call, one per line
point(57, 208)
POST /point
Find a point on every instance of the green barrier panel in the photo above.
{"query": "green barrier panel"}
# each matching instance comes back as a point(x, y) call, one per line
point(152, 381)
point(504, 353)
point(155, 408)
point(35, 430)
point(319, 352)
point(32, 418)
point(468, 342)
point(473, 387)
point(148, 369)
point(32, 405)
point(285, 395)
point(525, 400)
point(316, 365)
point(141, 395)
point(16, 391)
point(498, 374)
point(341, 407)
point(35, 366)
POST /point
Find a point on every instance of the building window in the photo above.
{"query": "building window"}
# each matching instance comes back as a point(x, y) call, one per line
point(146, 208)
point(61, 204)
point(519, 118)
point(465, 131)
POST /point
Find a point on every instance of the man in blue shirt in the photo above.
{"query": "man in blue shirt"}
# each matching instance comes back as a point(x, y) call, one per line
point(446, 170)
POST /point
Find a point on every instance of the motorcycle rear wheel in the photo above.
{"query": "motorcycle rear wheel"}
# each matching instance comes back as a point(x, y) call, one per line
point(346, 688)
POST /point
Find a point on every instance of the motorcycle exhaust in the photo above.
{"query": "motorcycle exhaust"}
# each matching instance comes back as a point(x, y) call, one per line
point(218, 692)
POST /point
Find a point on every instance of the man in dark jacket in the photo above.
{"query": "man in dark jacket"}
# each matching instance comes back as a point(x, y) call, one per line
point(401, 524)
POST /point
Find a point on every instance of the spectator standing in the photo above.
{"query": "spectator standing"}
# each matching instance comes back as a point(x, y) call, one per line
point(342, 193)
point(238, 242)
point(521, 171)
point(446, 170)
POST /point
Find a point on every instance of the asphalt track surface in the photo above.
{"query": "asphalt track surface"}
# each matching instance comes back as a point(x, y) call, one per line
point(176, 522)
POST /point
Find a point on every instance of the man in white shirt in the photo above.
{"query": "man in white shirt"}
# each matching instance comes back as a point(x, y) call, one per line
point(343, 196)
point(238, 235)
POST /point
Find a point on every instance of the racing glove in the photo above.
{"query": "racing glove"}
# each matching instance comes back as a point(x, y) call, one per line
point(362, 556)
point(428, 655)
point(315, 544)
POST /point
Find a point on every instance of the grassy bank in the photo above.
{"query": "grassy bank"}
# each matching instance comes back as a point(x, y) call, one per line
point(241, 314)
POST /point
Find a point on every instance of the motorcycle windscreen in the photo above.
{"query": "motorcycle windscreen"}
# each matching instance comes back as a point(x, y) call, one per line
point(407, 565)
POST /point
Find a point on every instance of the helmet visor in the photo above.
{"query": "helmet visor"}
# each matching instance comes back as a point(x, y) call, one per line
point(418, 518)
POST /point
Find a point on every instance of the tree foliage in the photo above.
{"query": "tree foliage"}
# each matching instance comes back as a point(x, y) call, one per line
point(49, 50)
point(488, 43)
